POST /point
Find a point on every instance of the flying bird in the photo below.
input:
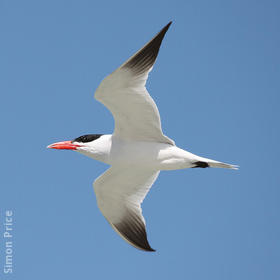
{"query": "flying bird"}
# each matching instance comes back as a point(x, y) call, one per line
point(137, 150)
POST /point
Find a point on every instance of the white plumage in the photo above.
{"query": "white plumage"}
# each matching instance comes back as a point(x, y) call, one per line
point(137, 150)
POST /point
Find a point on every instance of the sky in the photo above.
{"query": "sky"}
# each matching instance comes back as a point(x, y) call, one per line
point(216, 83)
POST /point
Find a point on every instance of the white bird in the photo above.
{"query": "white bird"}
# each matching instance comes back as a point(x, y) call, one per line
point(137, 150)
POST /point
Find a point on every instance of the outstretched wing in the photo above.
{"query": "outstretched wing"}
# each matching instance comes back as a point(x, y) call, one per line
point(120, 192)
point(124, 93)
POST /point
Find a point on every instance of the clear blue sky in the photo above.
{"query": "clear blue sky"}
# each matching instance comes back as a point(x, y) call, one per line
point(216, 83)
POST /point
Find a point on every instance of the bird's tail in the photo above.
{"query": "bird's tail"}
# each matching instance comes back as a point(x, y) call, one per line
point(218, 164)
point(205, 162)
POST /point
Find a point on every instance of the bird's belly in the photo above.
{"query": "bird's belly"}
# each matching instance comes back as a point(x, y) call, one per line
point(159, 156)
point(138, 153)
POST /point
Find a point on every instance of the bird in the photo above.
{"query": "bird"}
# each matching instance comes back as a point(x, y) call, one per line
point(137, 150)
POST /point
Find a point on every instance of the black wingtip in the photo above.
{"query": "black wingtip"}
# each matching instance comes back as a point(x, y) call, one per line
point(147, 248)
point(145, 58)
point(168, 24)
point(133, 230)
point(164, 30)
point(151, 250)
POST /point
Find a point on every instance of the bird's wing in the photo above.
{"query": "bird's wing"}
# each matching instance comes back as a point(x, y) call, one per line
point(120, 192)
point(124, 93)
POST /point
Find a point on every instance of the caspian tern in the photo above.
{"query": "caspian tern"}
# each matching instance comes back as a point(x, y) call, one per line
point(137, 150)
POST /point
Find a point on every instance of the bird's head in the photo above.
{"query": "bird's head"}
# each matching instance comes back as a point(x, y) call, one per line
point(76, 144)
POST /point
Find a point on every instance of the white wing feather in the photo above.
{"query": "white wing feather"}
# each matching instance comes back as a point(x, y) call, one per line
point(124, 93)
point(120, 192)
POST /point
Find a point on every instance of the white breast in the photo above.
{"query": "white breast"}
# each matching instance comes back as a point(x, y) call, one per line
point(113, 150)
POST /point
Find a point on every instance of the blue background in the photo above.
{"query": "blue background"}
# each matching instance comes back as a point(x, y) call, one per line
point(216, 83)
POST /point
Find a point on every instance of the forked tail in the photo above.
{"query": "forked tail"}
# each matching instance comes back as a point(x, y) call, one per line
point(205, 162)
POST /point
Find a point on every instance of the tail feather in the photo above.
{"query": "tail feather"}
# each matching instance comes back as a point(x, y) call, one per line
point(205, 162)
point(218, 164)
